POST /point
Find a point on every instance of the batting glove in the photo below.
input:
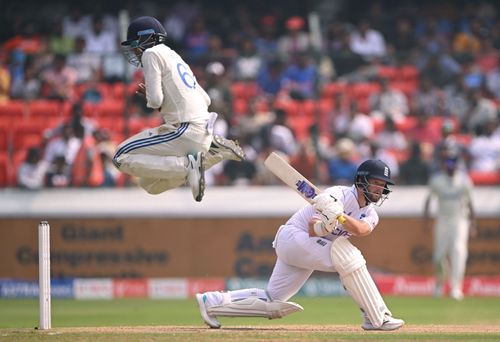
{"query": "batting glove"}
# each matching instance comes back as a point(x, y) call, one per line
point(323, 200)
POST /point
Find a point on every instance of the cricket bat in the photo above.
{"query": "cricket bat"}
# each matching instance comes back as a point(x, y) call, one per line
point(291, 177)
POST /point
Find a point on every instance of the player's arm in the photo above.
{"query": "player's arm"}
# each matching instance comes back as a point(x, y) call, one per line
point(152, 78)
point(356, 227)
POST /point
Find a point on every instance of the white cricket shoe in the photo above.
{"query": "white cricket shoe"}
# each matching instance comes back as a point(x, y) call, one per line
point(196, 175)
point(211, 321)
point(457, 295)
point(390, 323)
point(229, 149)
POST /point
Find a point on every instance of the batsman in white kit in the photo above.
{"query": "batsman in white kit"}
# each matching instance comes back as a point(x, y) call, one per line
point(315, 239)
point(179, 151)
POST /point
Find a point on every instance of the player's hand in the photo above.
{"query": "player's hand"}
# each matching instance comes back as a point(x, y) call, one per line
point(141, 90)
point(322, 201)
point(331, 213)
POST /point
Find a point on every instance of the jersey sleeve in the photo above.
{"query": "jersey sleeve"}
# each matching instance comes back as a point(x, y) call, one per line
point(371, 217)
point(152, 76)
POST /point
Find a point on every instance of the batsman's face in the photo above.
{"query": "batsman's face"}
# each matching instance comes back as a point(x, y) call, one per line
point(375, 189)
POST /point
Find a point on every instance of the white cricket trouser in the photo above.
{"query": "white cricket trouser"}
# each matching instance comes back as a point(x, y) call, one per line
point(450, 240)
point(158, 155)
point(298, 256)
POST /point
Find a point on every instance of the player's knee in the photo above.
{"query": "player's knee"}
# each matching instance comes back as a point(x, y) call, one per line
point(346, 258)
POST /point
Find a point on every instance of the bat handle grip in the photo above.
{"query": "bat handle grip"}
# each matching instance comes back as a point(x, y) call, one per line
point(341, 219)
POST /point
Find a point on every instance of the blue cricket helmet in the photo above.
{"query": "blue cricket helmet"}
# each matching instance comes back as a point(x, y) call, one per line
point(142, 33)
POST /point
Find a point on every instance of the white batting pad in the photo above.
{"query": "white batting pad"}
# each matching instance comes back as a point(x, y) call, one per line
point(351, 266)
point(255, 307)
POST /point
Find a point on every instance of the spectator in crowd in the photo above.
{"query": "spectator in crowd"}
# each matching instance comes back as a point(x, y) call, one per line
point(492, 83)
point(59, 80)
point(196, 40)
point(27, 42)
point(468, 42)
point(342, 167)
point(87, 169)
point(98, 40)
point(300, 77)
point(455, 221)
point(388, 102)
point(484, 149)
point(401, 41)
point(266, 42)
point(428, 100)
point(106, 148)
point(359, 125)
point(76, 23)
point(375, 151)
point(86, 64)
point(456, 98)
point(481, 111)
point(487, 59)
point(280, 135)
point(415, 170)
point(31, 172)
point(306, 161)
point(59, 174)
point(271, 78)
point(296, 40)
point(218, 88)
point(391, 138)
point(421, 132)
point(5, 81)
point(432, 37)
point(180, 17)
point(345, 61)
point(248, 63)
point(448, 142)
point(28, 87)
point(368, 42)
point(58, 43)
point(66, 145)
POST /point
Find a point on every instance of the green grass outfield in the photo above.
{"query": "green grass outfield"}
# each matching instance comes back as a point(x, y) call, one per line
point(326, 318)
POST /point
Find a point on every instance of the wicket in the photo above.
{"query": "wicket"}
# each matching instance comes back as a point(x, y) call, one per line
point(44, 275)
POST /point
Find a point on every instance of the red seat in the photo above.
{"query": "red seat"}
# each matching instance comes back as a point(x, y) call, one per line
point(388, 72)
point(111, 124)
point(406, 124)
point(244, 90)
point(300, 126)
point(325, 107)
point(305, 108)
point(112, 108)
point(240, 106)
point(13, 109)
point(363, 90)
point(330, 89)
point(118, 91)
point(408, 73)
point(45, 109)
point(6, 176)
point(26, 134)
